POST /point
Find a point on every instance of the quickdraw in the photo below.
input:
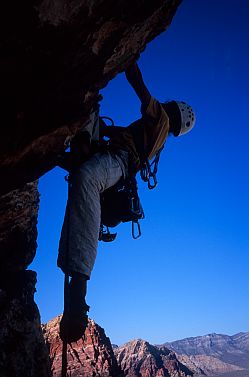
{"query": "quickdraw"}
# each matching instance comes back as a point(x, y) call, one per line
point(148, 171)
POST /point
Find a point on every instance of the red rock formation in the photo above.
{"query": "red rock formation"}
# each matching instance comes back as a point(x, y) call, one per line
point(89, 357)
point(140, 359)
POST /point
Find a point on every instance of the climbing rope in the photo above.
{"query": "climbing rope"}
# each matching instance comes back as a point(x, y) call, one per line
point(66, 291)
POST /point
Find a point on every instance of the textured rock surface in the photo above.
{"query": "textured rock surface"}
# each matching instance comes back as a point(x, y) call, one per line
point(23, 351)
point(207, 365)
point(140, 359)
point(18, 233)
point(215, 353)
point(91, 356)
point(231, 349)
point(56, 55)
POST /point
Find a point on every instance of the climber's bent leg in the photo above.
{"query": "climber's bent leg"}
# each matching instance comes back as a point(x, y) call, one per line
point(80, 229)
point(79, 237)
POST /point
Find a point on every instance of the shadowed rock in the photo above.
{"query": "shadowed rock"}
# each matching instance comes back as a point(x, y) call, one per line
point(56, 55)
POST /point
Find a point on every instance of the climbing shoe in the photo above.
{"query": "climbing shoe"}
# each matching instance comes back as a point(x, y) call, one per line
point(74, 320)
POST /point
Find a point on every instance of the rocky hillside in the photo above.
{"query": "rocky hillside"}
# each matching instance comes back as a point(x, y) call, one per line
point(95, 356)
point(140, 359)
point(208, 365)
point(214, 354)
point(90, 356)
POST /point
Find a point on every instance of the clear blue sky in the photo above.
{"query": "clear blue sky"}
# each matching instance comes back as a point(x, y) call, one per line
point(188, 274)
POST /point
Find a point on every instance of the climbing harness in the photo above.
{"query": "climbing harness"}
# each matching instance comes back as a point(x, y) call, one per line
point(120, 203)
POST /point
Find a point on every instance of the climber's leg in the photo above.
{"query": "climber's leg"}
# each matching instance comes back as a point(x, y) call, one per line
point(80, 234)
point(80, 230)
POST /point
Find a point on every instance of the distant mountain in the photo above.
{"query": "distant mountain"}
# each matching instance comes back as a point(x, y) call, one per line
point(230, 349)
point(203, 356)
point(209, 365)
point(214, 354)
point(138, 358)
point(93, 356)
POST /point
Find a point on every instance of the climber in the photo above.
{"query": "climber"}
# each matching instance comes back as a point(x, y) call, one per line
point(80, 231)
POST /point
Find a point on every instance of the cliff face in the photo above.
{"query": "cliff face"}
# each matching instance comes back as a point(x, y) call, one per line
point(18, 233)
point(55, 56)
point(23, 352)
point(90, 356)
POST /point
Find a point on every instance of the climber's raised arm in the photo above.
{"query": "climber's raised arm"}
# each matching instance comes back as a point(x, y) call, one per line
point(134, 77)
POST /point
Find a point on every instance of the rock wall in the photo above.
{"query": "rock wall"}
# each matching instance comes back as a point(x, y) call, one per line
point(18, 233)
point(22, 349)
point(56, 55)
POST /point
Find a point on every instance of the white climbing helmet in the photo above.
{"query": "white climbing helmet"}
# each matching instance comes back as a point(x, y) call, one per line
point(187, 117)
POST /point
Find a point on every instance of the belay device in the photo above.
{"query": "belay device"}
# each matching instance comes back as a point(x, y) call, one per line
point(120, 203)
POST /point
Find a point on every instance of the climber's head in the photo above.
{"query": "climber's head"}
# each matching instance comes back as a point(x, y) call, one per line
point(181, 117)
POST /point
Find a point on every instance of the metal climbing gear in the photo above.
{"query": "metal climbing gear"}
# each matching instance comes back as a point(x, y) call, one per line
point(108, 118)
point(120, 203)
point(148, 170)
point(105, 235)
point(135, 234)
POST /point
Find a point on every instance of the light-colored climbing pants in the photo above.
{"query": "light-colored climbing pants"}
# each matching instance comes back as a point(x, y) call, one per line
point(80, 231)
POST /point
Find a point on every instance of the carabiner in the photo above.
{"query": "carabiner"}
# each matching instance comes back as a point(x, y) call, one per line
point(108, 118)
point(152, 182)
point(138, 230)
